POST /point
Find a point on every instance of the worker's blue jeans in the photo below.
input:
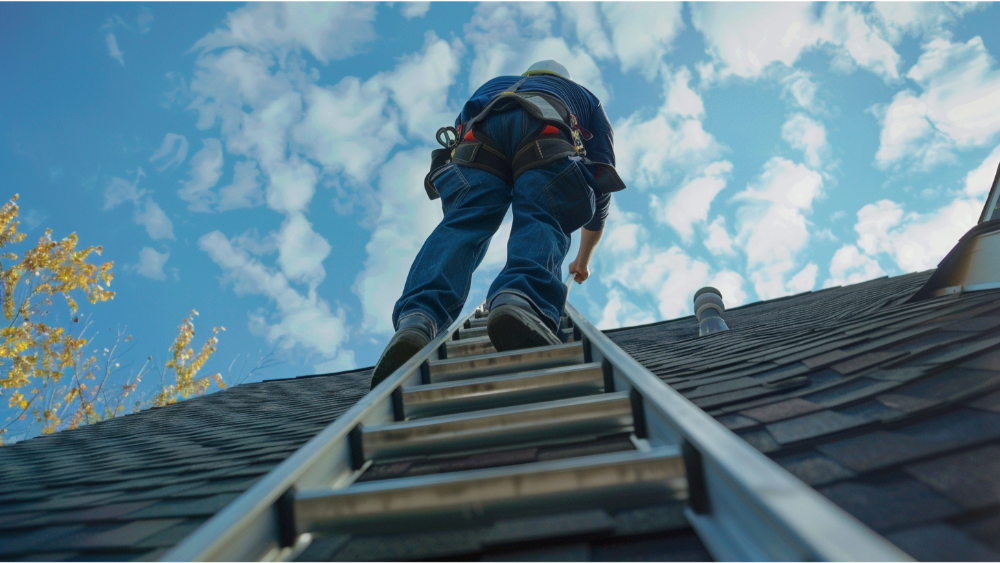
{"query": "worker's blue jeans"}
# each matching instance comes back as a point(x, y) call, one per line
point(548, 204)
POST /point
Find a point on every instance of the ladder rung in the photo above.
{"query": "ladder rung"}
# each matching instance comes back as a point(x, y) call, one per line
point(505, 362)
point(477, 328)
point(475, 323)
point(472, 323)
point(470, 347)
point(523, 425)
point(503, 390)
point(610, 481)
point(482, 345)
point(468, 333)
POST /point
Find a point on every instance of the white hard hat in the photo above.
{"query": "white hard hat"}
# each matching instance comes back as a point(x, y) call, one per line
point(548, 67)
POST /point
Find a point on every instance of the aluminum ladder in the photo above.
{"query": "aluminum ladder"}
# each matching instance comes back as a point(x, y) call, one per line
point(459, 397)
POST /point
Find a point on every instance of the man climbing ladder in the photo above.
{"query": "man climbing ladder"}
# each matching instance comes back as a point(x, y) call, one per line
point(542, 145)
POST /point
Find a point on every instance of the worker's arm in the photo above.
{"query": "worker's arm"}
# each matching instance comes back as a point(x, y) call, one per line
point(581, 265)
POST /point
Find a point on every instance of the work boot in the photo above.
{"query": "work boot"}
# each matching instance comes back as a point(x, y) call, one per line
point(513, 324)
point(413, 334)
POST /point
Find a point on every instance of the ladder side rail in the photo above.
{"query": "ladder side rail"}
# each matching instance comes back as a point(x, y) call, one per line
point(250, 527)
point(750, 508)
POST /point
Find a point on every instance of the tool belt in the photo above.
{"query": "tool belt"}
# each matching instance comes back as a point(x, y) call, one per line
point(475, 149)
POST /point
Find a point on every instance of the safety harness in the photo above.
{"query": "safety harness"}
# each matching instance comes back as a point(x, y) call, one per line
point(469, 147)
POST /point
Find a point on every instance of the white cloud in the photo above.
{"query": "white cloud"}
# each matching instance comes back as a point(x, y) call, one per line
point(807, 135)
point(587, 22)
point(637, 34)
point(681, 99)
point(120, 190)
point(405, 220)
point(206, 170)
point(803, 281)
point(850, 266)
point(301, 321)
point(139, 24)
point(914, 241)
point(327, 31)
point(650, 151)
point(907, 134)
point(507, 38)
point(245, 191)
point(961, 90)
point(801, 88)
point(667, 275)
point(619, 311)
point(336, 118)
point(745, 39)
point(290, 134)
point(154, 220)
point(411, 10)
point(918, 241)
point(919, 18)
point(172, 152)
point(145, 211)
point(958, 106)
point(718, 241)
point(151, 263)
point(113, 51)
point(772, 224)
point(691, 203)
point(419, 86)
point(301, 251)
point(979, 180)
point(642, 32)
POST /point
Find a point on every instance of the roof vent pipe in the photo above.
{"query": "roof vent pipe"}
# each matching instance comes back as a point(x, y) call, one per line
point(708, 308)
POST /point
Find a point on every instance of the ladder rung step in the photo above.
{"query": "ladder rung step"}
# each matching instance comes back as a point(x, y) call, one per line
point(499, 363)
point(395, 469)
point(609, 481)
point(494, 428)
point(477, 328)
point(503, 390)
point(480, 345)
point(470, 347)
point(467, 333)
point(474, 323)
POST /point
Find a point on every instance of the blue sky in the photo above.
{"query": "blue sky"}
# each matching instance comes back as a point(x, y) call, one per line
point(263, 163)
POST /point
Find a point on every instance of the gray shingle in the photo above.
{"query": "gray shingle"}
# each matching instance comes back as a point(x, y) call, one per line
point(941, 542)
point(968, 478)
point(891, 503)
point(814, 468)
point(939, 435)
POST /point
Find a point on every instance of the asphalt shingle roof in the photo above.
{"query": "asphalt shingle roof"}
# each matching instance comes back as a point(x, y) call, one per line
point(132, 487)
point(891, 409)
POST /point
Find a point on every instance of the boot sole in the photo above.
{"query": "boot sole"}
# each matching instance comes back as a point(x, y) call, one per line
point(509, 329)
point(395, 356)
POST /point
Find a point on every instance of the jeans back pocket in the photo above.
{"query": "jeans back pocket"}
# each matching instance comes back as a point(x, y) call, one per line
point(570, 198)
point(452, 185)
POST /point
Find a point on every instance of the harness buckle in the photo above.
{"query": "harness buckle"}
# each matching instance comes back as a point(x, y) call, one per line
point(447, 137)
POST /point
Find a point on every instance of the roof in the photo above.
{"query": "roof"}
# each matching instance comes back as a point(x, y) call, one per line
point(890, 409)
point(131, 487)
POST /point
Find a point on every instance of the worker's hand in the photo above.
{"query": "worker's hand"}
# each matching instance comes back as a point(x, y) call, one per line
point(582, 271)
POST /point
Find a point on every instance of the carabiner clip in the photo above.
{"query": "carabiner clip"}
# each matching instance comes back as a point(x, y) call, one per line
point(447, 137)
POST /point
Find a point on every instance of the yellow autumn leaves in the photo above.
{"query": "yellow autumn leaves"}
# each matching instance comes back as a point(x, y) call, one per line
point(45, 371)
point(185, 365)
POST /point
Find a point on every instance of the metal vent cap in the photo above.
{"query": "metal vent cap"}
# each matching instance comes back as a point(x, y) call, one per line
point(708, 308)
